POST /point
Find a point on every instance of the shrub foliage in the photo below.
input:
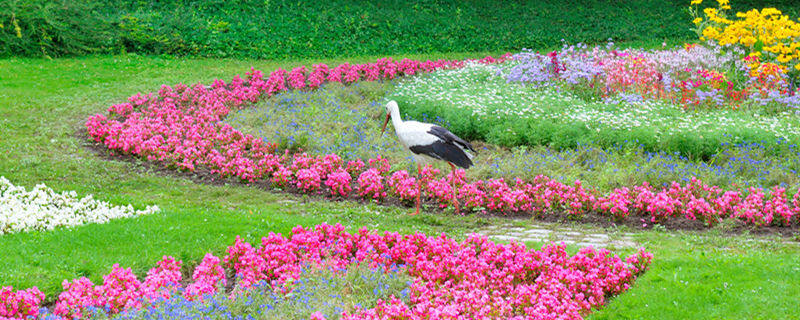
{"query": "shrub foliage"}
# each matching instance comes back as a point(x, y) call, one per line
point(276, 29)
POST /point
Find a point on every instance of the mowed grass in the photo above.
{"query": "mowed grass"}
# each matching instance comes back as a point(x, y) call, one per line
point(44, 103)
point(713, 276)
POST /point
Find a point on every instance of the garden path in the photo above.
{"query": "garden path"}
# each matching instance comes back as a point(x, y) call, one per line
point(541, 233)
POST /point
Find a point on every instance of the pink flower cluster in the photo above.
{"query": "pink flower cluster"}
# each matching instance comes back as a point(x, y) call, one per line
point(181, 126)
point(709, 204)
point(624, 71)
point(19, 304)
point(208, 275)
point(120, 291)
point(472, 279)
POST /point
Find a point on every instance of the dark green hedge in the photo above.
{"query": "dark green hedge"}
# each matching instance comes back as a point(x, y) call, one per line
point(281, 29)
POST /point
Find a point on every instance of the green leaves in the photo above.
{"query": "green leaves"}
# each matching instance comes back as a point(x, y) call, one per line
point(284, 29)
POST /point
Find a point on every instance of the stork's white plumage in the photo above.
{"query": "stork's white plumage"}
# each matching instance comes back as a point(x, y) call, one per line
point(429, 141)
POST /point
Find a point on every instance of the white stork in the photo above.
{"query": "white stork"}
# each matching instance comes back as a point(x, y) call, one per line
point(429, 141)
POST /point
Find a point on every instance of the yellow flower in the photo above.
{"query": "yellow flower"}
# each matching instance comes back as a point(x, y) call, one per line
point(695, 21)
point(710, 33)
point(748, 41)
point(696, 2)
point(797, 66)
point(710, 12)
point(770, 11)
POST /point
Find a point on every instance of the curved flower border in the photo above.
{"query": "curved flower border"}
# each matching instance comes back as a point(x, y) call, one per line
point(182, 127)
point(475, 279)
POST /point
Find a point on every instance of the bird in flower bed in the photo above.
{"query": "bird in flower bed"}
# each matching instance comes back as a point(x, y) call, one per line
point(429, 141)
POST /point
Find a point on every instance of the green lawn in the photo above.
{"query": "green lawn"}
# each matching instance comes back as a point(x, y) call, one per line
point(43, 104)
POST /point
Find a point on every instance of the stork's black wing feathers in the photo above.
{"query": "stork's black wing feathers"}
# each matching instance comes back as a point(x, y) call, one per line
point(449, 148)
point(444, 151)
point(449, 137)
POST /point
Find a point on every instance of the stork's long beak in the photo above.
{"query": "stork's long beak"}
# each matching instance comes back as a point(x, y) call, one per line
point(385, 123)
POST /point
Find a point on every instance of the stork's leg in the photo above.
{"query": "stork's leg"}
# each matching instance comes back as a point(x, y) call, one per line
point(419, 186)
point(453, 185)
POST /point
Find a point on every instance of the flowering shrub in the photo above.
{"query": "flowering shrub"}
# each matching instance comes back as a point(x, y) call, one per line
point(44, 209)
point(163, 281)
point(78, 295)
point(308, 180)
point(475, 278)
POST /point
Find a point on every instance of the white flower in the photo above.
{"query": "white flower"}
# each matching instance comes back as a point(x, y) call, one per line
point(44, 209)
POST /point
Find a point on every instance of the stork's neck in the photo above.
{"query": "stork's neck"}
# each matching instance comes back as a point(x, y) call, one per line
point(396, 120)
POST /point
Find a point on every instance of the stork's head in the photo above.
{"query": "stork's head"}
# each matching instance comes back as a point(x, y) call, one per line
point(390, 108)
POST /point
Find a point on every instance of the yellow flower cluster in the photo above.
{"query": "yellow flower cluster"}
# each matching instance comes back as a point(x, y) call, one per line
point(774, 36)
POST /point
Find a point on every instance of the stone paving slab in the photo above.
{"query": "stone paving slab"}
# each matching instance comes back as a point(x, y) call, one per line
point(557, 234)
point(582, 237)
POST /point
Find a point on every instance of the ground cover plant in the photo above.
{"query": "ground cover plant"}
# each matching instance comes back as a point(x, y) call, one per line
point(44, 209)
point(451, 278)
point(741, 276)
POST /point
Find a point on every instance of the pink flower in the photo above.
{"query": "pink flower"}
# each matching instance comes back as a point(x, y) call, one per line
point(370, 185)
point(20, 304)
point(339, 183)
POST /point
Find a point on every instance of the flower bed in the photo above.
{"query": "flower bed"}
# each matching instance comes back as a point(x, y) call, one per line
point(341, 120)
point(666, 100)
point(182, 127)
point(474, 279)
point(44, 209)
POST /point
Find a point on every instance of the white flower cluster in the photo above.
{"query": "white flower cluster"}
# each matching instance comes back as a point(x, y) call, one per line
point(44, 209)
